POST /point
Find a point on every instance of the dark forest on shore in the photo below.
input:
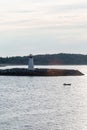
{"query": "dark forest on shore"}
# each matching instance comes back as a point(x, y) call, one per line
point(47, 59)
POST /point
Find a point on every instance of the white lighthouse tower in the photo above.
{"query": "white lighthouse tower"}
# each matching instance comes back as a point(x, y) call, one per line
point(31, 63)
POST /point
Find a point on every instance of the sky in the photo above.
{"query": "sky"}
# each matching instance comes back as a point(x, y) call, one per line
point(43, 27)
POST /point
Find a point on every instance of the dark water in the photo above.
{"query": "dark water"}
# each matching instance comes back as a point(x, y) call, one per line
point(44, 103)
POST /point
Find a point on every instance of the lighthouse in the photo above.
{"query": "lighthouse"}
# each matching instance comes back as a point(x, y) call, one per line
point(31, 63)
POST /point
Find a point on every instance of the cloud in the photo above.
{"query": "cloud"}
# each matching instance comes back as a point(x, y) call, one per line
point(67, 7)
point(47, 23)
point(22, 11)
point(15, 22)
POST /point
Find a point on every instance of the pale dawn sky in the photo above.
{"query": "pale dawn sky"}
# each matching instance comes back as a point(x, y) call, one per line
point(43, 26)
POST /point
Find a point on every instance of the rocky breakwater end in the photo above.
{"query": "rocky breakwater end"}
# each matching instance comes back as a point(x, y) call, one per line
point(39, 72)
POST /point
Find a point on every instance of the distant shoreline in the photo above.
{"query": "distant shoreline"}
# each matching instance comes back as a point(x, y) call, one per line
point(2, 65)
point(46, 59)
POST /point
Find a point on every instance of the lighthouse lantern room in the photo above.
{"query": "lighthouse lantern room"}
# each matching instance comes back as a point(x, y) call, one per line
point(31, 63)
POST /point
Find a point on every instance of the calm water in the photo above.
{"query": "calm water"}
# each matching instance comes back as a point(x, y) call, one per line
point(43, 103)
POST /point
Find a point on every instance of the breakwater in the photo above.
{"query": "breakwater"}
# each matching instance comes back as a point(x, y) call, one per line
point(39, 72)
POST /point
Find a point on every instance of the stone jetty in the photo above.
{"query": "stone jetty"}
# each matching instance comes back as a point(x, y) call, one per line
point(39, 72)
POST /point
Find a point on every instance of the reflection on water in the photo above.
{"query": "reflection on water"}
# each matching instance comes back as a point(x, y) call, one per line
point(43, 103)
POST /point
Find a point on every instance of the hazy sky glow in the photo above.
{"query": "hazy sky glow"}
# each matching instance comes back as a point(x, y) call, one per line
point(49, 26)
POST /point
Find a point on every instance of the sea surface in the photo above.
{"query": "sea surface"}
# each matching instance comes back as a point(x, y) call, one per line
point(44, 103)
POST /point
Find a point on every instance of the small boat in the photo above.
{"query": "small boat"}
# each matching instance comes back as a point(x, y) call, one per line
point(69, 84)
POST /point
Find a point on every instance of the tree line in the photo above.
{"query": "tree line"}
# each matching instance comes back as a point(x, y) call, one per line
point(47, 59)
